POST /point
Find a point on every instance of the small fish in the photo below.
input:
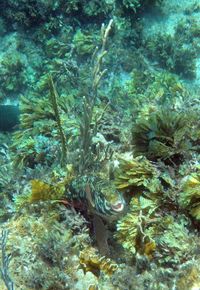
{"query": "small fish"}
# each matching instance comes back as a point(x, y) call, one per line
point(9, 117)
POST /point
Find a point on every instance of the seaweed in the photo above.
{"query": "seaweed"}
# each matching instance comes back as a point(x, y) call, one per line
point(162, 135)
point(189, 197)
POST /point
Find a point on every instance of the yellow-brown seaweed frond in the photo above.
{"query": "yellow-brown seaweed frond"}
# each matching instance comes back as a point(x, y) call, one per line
point(40, 191)
point(131, 228)
point(190, 194)
point(93, 262)
point(137, 173)
point(35, 110)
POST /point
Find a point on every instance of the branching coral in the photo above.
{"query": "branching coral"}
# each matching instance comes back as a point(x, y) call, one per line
point(54, 102)
point(86, 131)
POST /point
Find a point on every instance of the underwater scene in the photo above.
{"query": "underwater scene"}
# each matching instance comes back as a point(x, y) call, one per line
point(99, 145)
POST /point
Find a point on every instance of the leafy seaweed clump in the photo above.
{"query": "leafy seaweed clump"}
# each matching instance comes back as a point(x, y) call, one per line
point(146, 231)
point(84, 44)
point(130, 228)
point(12, 74)
point(40, 191)
point(162, 135)
point(173, 53)
point(136, 174)
point(189, 197)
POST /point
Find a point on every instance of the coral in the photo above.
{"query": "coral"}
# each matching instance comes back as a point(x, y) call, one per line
point(54, 102)
point(53, 246)
point(87, 129)
point(163, 135)
point(189, 197)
